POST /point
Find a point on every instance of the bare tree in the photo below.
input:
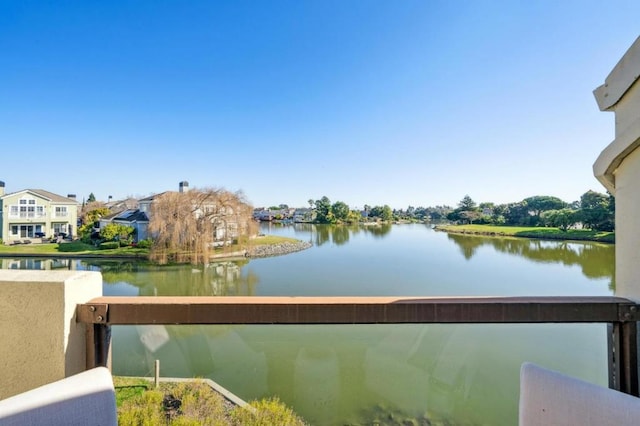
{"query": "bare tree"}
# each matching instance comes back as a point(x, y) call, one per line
point(187, 226)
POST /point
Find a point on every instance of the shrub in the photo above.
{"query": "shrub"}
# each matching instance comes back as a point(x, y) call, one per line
point(145, 409)
point(268, 412)
point(144, 244)
point(109, 245)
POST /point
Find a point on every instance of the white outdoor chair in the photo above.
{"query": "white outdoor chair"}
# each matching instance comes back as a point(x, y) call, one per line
point(87, 398)
point(550, 398)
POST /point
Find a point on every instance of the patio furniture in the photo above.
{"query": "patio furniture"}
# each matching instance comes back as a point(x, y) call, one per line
point(86, 398)
point(550, 398)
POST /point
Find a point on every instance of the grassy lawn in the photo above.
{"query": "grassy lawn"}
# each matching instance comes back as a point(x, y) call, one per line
point(531, 232)
point(270, 239)
point(75, 247)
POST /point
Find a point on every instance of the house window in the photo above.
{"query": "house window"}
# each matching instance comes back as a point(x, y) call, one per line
point(14, 230)
point(23, 201)
point(59, 228)
point(23, 211)
point(32, 201)
point(61, 211)
point(26, 231)
point(39, 210)
point(14, 211)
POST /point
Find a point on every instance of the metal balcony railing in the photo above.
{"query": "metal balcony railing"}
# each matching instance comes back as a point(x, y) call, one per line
point(101, 313)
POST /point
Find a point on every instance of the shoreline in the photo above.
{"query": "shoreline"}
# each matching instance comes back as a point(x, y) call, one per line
point(271, 250)
point(550, 234)
point(255, 252)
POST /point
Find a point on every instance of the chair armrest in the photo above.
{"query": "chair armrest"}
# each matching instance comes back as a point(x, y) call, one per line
point(551, 398)
point(82, 399)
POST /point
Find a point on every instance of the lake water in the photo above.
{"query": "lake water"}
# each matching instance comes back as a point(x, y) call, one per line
point(372, 374)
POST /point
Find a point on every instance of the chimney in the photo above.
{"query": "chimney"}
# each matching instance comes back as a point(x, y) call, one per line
point(184, 186)
point(1, 188)
point(72, 196)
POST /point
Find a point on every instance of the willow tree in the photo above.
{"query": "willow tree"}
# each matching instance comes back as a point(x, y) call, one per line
point(186, 226)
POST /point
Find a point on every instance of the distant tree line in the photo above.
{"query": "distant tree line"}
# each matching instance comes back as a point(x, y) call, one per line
point(340, 212)
point(594, 211)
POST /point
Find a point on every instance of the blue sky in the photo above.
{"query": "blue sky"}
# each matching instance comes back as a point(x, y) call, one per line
point(367, 102)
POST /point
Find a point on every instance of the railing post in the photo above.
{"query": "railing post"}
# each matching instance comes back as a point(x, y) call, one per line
point(623, 358)
point(98, 346)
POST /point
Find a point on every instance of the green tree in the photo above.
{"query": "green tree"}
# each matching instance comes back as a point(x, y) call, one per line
point(324, 213)
point(387, 213)
point(541, 203)
point(470, 215)
point(340, 210)
point(89, 220)
point(517, 214)
point(467, 203)
point(562, 219)
point(597, 211)
point(92, 198)
point(467, 211)
point(116, 231)
point(354, 216)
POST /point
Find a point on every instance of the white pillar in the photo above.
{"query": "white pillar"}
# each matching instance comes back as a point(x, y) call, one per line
point(40, 341)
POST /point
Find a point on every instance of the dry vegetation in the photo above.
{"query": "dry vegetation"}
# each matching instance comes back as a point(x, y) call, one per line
point(192, 403)
point(188, 225)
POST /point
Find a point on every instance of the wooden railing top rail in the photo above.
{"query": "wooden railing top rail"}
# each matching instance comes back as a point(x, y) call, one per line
point(353, 310)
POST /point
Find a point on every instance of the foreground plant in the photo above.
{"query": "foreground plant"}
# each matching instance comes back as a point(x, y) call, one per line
point(193, 403)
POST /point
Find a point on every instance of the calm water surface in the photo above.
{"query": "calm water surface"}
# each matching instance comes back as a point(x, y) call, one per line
point(373, 374)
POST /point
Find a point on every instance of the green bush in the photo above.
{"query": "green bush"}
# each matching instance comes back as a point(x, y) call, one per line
point(144, 244)
point(109, 245)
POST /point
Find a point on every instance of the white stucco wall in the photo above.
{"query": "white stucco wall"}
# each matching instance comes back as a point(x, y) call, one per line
point(627, 110)
point(618, 166)
point(627, 179)
point(40, 341)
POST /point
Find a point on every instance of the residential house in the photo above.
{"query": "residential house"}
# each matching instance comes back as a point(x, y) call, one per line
point(134, 218)
point(231, 224)
point(34, 213)
point(303, 215)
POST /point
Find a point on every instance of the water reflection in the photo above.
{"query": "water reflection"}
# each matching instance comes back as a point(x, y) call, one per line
point(38, 264)
point(595, 260)
point(215, 279)
point(319, 235)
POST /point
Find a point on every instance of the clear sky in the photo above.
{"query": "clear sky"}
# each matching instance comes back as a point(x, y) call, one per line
point(364, 101)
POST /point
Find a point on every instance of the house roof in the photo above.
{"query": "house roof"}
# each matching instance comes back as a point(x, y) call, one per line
point(131, 215)
point(45, 194)
point(152, 197)
point(120, 205)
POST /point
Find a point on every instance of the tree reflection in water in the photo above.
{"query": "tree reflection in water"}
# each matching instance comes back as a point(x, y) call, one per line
point(216, 279)
point(596, 260)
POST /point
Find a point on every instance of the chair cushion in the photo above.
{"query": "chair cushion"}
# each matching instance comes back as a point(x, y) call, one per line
point(550, 398)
